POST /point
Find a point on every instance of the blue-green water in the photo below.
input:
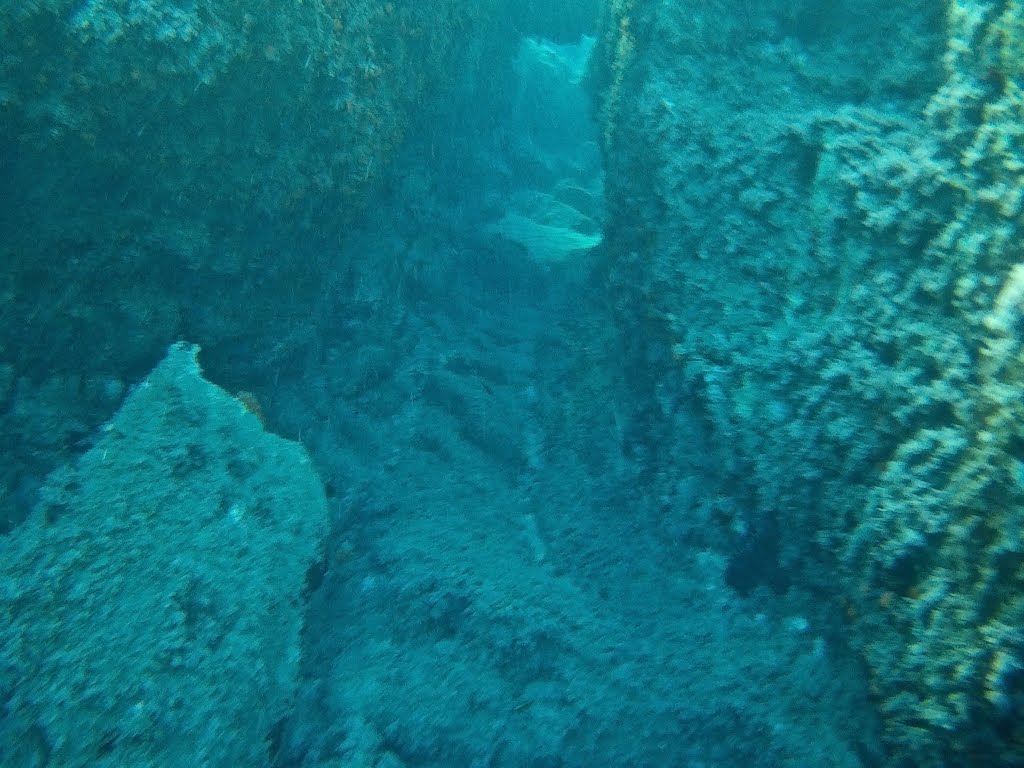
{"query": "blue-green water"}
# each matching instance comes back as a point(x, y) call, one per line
point(497, 384)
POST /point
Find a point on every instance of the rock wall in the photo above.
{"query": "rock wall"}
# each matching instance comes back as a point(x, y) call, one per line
point(189, 170)
point(815, 244)
point(169, 167)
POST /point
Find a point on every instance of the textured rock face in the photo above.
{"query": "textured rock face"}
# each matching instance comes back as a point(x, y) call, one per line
point(816, 222)
point(188, 169)
point(161, 156)
point(152, 604)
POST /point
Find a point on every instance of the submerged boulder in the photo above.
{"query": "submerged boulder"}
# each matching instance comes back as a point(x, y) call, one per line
point(152, 603)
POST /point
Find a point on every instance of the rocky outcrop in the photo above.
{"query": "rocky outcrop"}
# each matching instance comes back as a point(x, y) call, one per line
point(170, 166)
point(152, 604)
point(815, 219)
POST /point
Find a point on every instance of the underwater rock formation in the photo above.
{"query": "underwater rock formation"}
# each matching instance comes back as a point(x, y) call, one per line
point(816, 217)
point(161, 157)
point(152, 603)
point(189, 170)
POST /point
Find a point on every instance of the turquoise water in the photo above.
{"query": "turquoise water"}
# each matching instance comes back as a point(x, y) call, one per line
point(504, 384)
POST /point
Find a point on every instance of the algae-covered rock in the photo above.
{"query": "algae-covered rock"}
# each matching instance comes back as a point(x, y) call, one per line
point(152, 603)
point(817, 218)
point(166, 155)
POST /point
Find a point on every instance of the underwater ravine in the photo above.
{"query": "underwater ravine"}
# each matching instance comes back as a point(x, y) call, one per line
point(505, 384)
